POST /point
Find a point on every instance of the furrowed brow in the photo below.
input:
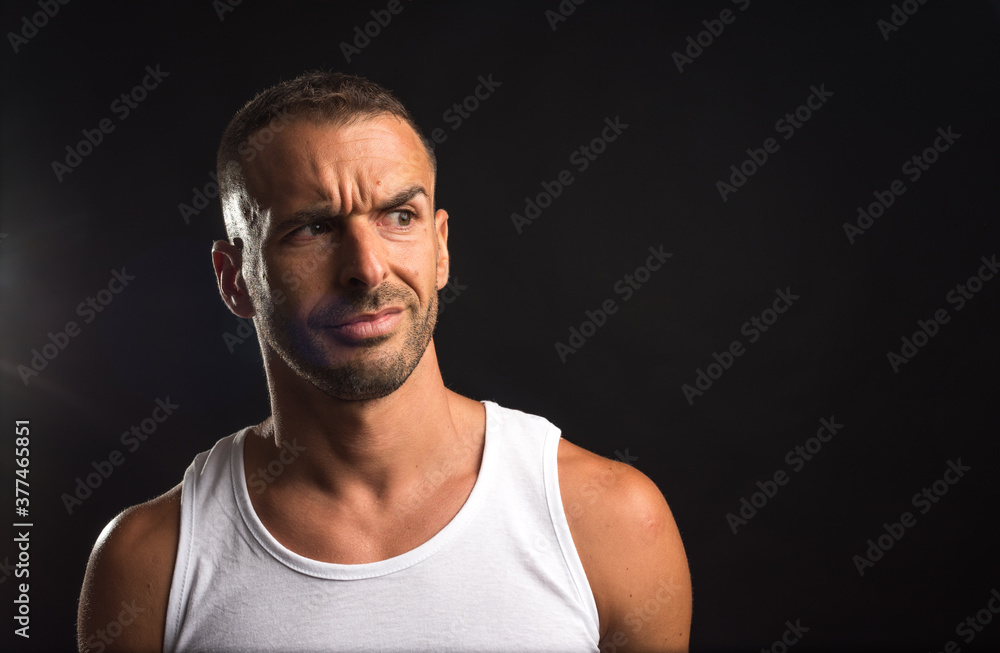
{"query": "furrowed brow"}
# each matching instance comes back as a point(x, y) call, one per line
point(326, 212)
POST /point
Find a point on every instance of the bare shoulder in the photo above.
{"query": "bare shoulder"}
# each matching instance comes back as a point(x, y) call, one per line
point(631, 551)
point(123, 604)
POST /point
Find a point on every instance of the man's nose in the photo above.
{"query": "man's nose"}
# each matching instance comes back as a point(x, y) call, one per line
point(362, 254)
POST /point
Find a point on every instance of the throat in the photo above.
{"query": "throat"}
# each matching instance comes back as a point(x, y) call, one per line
point(317, 528)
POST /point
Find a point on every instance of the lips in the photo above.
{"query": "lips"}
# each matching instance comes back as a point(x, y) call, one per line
point(369, 325)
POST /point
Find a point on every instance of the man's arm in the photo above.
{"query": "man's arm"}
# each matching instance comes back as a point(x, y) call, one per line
point(123, 604)
point(631, 550)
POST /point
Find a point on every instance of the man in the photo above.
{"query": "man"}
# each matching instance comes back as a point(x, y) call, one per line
point(374, 509)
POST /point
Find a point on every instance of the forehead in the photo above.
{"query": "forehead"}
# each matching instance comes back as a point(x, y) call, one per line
point(349, 166)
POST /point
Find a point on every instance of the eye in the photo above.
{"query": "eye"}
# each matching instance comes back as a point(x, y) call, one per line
point(312, 229)
point(401, 218)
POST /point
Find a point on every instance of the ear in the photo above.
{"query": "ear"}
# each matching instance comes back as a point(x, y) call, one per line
point(441, 227)
point(227, 258)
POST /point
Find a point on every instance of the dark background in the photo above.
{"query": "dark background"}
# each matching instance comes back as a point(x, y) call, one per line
point(520, 293)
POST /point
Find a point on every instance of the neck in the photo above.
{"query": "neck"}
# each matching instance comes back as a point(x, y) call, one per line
point(367, 451)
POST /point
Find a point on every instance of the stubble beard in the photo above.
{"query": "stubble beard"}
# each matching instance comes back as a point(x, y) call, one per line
point(308, 351)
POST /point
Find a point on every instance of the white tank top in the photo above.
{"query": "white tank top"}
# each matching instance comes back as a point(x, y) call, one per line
point(503, 575)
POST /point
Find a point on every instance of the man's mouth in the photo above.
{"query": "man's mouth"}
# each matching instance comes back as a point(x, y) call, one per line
point(369, 325)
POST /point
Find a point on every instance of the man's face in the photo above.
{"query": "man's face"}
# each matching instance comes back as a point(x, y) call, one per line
point(344, 282)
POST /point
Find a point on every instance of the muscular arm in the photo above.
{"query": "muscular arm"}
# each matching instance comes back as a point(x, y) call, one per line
point(123, 604)
point(631, 550)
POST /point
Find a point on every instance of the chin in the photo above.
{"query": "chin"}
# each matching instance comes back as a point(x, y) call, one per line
point(362, 380)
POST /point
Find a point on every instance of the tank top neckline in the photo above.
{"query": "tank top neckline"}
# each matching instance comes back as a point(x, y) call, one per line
point(338, 571)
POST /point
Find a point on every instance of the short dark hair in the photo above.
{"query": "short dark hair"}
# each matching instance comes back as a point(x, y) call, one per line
point(336, 98)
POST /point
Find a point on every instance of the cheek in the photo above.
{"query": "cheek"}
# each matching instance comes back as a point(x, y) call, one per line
point(417, 267)
point(255, 276)
point(301, 274)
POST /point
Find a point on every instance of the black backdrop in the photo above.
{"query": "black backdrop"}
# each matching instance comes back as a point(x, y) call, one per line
point(869, 97)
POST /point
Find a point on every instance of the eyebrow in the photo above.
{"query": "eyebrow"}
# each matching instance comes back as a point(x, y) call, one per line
point(402, 197)
point(326, 212)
